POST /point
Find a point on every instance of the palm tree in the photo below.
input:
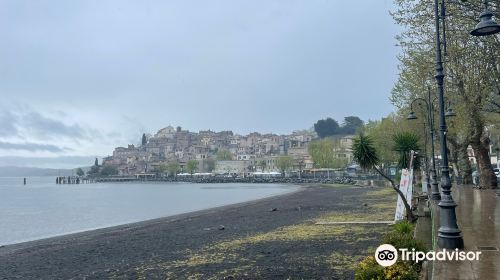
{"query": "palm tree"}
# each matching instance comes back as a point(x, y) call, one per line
point(404, 143)
point(366, 156)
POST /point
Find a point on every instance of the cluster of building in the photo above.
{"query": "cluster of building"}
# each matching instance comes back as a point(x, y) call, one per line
point(251, 153)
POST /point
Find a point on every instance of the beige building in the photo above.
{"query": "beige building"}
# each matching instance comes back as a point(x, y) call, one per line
point(345, 150)
point(249, 151)
point(233, 167)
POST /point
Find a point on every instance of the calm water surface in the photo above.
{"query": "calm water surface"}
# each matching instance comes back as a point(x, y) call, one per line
point(43, 209)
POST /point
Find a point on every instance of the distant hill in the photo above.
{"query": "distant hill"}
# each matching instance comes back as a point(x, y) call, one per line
point(15, 171)
point(62, 162)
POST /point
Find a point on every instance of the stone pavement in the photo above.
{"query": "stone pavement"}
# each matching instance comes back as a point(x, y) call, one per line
point(478, 215)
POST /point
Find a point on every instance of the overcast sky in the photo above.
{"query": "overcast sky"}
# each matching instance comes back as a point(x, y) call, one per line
point(78, 78)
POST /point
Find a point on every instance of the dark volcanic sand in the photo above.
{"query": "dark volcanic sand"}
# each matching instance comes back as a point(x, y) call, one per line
point(155, 249)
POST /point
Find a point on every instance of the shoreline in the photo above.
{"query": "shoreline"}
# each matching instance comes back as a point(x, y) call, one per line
point(8, 248)
point(235, 180)
point(268, 238)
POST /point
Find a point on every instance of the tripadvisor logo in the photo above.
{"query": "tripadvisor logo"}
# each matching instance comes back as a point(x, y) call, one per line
point(387, 255)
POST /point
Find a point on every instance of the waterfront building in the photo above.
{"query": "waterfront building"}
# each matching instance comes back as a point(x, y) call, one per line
point(232, 167)
point(251, 153)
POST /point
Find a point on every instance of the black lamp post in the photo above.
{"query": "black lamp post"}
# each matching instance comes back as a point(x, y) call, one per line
point(435, 194)
point(449, 235)
point(412, 116)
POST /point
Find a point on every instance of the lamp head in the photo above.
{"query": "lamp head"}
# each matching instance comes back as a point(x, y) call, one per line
point(449, 113)
point(486, 26)
point(412, 116)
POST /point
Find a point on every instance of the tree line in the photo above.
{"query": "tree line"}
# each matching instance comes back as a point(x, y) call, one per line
point(330, 127)
point(472, 82)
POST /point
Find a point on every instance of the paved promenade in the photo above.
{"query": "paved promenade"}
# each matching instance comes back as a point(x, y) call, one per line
point(478, 215)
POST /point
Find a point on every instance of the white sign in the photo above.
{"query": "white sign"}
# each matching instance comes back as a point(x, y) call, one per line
point(406, 187)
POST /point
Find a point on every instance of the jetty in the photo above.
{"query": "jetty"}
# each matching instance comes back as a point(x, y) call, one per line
point(74, 180)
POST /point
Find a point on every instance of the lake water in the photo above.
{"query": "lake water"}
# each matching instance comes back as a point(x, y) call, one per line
point(43, 209)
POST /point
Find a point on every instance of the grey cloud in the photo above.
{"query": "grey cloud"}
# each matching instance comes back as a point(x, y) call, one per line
point(46, 127)
point(175, 61)
point(113, 135)
point(268, 66)
point(28, 124)
point(24, 129)
point(8, 124)
point(32, 147)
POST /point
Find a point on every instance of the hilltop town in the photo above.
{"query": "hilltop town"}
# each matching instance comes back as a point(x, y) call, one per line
point(221, 152)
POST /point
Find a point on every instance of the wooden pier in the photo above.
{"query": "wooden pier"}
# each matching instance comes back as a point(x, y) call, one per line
point(74, 180)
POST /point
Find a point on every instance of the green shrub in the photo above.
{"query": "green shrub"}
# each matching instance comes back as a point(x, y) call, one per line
point(400, 240)
point(403, 227)
point(369, 269)
point(401, 236)
point(401, 270)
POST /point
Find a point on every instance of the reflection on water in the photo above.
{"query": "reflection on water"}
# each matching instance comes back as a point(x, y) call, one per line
point(42, 208)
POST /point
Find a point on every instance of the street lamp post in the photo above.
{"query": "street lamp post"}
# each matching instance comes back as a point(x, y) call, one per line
point(426, 162)
point(435, 194)
point(433, 185)
point(449, 235)
point(497, 149)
